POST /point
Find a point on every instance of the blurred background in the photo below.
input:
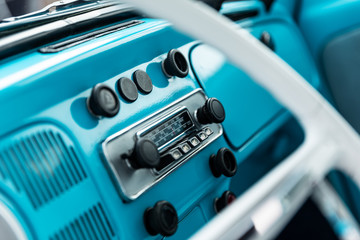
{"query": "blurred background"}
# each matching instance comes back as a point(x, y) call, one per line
point(11, 8)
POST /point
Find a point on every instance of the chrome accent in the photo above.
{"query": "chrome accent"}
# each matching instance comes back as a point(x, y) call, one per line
point(131, 183)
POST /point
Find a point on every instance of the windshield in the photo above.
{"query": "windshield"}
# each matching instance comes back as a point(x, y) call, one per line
point(12, 8)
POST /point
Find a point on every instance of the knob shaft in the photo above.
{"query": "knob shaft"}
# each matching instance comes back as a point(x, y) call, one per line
point(224, 162)
point(175, 64)
point(267, 40)
point(103, 101)
point(145, 155)
point(161, 219)
point(212, 112)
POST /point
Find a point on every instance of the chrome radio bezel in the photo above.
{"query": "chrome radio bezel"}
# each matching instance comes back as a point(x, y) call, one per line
point(131, 183)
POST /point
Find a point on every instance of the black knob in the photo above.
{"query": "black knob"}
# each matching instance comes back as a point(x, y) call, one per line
point(267, 40)
point(212, 112)
point(145, 155)
point(226, 198)
point(175, 64)
point(127, 89)
point(103, 101)
point(223, 163)
point(161, 219)
point(143, 81)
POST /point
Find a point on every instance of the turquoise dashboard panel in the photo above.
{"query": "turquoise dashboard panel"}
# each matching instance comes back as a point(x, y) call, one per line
point(51, 166)
point(251, 107)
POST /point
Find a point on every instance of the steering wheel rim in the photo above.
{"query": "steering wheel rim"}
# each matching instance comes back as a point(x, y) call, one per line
point(330, 142)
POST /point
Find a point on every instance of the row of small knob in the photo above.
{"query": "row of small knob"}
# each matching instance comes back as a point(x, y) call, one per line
point(103, 101)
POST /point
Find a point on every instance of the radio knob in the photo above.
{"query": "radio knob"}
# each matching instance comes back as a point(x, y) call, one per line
point(212, 112)
point(161, 219)
point(223, 163)
point(175, 64)
point(145, 155)
point(103, 101)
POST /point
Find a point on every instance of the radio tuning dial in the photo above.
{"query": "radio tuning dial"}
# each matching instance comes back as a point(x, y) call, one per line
point(212, 112)
point(145, 154)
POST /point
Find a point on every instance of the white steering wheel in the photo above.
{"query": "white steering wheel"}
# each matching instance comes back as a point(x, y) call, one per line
point(330, 142)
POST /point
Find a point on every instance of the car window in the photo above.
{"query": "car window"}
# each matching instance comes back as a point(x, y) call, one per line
point(12, 8)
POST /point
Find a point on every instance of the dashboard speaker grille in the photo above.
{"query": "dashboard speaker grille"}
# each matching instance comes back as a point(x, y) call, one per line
point(93, 224)
point(43, 164)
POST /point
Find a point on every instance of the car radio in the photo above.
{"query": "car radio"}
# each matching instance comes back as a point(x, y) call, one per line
point(144, 153)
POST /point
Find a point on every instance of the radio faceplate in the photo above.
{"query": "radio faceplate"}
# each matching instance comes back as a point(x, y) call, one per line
point(177, 135)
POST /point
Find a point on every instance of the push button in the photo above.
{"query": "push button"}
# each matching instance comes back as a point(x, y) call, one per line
point(202, 136)
point(185, 148)
point(194, 141)
point(176, 154)
point(208, 131)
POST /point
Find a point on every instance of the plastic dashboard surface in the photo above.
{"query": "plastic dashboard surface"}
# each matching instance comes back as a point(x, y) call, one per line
point(52, 176)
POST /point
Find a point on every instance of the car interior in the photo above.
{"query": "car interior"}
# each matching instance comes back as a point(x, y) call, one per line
point(117, 125)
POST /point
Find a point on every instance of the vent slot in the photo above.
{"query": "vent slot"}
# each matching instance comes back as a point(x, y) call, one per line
point(87, 37)
point(42, 164)
point(93, 224)
point(237, 16)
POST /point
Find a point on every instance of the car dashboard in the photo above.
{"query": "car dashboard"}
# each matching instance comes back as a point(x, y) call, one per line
point(86, 116)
